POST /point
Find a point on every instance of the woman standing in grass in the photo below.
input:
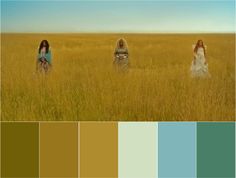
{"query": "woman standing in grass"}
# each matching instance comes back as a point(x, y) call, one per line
point(44, 58)
point(199, 67)
point(121, 54)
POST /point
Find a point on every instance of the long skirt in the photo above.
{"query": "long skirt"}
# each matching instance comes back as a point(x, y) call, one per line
point(199, 68)
point(122, 64)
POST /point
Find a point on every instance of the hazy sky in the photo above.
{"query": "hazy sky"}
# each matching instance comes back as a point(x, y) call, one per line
point(118, 16)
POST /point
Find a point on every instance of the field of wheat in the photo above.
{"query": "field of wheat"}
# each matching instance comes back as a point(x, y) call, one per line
point(83, 84)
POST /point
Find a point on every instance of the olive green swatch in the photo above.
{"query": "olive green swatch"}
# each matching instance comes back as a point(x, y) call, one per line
point(216, 149)
point(0, 150)
point(20, 149)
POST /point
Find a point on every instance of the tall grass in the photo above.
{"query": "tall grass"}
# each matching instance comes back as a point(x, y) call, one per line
point(83, 84)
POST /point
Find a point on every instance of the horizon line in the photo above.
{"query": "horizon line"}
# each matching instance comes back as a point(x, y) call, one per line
point(233, 32)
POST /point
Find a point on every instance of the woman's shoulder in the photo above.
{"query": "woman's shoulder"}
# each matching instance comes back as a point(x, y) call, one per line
point(205, 47)
point(49, 49)
point(194, 45)
point(121, 49)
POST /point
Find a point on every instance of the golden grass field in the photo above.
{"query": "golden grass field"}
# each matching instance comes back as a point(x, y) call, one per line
point(83, 84)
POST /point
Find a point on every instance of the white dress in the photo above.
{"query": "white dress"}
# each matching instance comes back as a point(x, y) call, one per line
point(198, 67)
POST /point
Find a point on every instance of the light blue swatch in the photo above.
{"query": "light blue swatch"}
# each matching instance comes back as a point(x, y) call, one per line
point(176, 149)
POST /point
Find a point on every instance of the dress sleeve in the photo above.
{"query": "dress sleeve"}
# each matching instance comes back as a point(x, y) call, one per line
point(49, 56)
point(127, 52)
point(116, 52)
point(38, 54)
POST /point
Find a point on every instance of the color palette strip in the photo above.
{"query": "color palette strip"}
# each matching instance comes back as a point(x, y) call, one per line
point(59, 150)
point(177, 149)
point(19, 149)
point(216, 150)
point(137, 149)
point(117, 149)
point(98, 149)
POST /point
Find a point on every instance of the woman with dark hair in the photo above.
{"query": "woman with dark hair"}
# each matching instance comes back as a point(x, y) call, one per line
point(199, 67)
point(44, 58)
point(121, 54)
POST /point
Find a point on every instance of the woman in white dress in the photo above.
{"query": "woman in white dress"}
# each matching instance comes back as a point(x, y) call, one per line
point(199, 67)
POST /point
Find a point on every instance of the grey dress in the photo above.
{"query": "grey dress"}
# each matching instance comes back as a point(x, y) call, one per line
point(121, 58)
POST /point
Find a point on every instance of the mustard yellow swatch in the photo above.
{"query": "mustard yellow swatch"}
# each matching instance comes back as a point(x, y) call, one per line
point(59, 149)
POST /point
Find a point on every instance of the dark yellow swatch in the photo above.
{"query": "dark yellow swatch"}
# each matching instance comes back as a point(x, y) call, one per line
point(20, 149)
point(98, 149)
point(0, 150)
point(59, 150)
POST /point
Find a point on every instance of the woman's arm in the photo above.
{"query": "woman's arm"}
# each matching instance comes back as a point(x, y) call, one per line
point(205, 60)
point(205, 57)
point(37, 62)
point(194, 57)
point(127, 52)
point(115, 52)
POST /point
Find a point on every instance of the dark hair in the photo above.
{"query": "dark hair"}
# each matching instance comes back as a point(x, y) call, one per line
point(41, 45)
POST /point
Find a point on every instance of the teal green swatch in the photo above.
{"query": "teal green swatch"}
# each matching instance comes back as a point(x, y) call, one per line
point(216, 149)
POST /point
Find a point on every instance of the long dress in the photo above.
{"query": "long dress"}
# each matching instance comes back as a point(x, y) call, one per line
point(46, 56)
point(198, 67)
point(41, 59)
point(121, 58)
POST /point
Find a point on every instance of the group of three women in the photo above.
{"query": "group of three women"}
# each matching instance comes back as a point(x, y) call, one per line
point(199, 66)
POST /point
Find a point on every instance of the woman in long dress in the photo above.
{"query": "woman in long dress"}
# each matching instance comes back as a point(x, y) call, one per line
point(199, 67)
point(44, 59)
point(121, 54)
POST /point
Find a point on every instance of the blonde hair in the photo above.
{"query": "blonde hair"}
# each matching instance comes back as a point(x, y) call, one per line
point(124, 43)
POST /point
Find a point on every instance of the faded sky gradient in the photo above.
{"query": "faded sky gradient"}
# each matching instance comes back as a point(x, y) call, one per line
point(176, 16)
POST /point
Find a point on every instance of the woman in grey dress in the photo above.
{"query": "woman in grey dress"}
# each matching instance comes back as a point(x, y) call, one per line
point(121, 54)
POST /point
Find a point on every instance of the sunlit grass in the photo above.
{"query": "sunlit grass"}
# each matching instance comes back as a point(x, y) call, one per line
point(83, 84)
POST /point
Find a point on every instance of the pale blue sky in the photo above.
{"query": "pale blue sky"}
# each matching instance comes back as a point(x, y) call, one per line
point(118, 16)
